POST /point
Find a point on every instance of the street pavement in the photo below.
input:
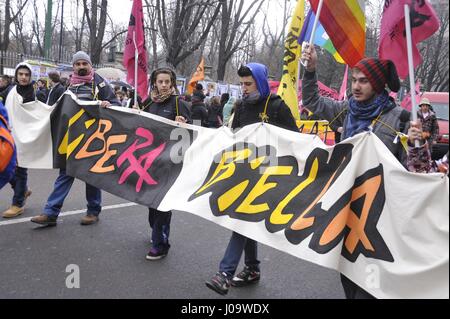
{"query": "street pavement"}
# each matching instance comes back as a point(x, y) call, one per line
point(110, 255)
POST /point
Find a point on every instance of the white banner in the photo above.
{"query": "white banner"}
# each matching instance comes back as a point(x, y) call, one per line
point(351, 207)
point(30, 125)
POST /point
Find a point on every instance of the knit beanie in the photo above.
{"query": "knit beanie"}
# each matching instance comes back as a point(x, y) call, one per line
point(81, 55)
point(379, 73)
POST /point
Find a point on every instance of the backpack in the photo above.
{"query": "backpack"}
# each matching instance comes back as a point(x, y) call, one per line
point(6, 145)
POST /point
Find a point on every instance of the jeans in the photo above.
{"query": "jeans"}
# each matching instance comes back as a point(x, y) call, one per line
point(19, 185)
point(239, 243)
point(62, 187)
point(160, 224)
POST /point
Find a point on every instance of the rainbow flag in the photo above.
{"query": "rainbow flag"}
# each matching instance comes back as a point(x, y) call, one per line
point(321, 38)
point(345, 23)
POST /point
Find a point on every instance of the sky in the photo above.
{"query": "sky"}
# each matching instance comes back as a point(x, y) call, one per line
point(120, 10)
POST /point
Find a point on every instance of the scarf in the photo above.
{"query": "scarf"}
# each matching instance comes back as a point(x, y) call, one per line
point(27, 92)
point(252, 98)
point(362, 114)
point(81, 79)
point(161, 97)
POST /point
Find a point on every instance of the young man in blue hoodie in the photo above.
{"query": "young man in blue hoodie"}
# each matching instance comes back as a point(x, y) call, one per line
point(252, 109)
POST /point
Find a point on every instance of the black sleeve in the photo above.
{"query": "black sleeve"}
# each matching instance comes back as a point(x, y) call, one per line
point(41, 96)
point(205, 114)
point(106, 93)
point(236, 119)
point(184, 111)
point(285, 118)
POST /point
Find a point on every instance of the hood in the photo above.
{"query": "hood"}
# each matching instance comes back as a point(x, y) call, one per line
point(21, 65)
point(260, 74)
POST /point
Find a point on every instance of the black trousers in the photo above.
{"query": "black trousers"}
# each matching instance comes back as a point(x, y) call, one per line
point(353, 291)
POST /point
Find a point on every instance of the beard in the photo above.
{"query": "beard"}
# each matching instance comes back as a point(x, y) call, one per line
point(82, 72)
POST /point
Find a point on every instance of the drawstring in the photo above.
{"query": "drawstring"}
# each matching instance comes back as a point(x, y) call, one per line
point(263, 116)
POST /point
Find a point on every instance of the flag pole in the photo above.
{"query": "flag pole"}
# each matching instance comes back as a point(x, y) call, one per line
point(411, 66)
point(136, 58)
point(313, 31)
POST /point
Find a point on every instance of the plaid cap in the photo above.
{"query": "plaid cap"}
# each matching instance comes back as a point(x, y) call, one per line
point(379, 73)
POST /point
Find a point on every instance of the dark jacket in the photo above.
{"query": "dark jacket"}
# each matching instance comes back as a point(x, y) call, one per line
point(429, 126)
point(167, 109)
point(100, 91)
point(199, 112)
point(328, 109)
point(4, 93)
point(42, 95)
point(55, 93)
point(278, 112)
point(215, 116)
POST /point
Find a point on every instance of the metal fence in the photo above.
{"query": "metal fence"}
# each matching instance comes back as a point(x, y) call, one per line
point(9, 59)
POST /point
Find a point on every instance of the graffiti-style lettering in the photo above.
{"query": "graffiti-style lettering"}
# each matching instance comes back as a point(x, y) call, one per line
point(104, 126)
point(236, 190)
point(140, 165)
point(67, 148)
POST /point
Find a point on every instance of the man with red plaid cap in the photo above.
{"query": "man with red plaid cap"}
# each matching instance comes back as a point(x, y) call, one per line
point(369, 108)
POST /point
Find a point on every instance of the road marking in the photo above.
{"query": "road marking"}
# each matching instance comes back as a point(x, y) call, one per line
point(74, 212)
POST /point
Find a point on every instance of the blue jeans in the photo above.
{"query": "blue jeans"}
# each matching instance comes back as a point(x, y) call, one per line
point(62, 187)
point(19, 185)
point(160, 224)
point(239, 243)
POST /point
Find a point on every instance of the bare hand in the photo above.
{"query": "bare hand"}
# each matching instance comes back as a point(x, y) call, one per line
point(180, 119)
point(105, 104)
point(309, 55)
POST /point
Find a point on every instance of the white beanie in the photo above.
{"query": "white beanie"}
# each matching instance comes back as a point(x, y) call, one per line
point(81, 55)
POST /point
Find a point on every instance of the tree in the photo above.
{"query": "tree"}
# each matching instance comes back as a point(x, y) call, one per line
point(184, 26)
point(96, 27)
point(5, 28)
point(433, 73)
point(234, 28)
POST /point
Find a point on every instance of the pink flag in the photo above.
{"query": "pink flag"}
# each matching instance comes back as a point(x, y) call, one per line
point(406, 103)
point(424, 23)
point(343, 91)
point(136, 25)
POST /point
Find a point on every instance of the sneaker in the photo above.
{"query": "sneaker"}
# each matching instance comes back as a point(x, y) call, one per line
point(156, 254)
point(44, 220)
point(13, 211)
point(219, 283)
point(89, 220)
point(246, 277)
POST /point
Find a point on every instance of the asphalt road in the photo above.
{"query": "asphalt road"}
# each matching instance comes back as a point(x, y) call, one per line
point(110, 255)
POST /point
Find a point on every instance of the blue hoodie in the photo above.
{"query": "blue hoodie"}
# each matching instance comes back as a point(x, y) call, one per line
point(8, 173)
point(260, 74)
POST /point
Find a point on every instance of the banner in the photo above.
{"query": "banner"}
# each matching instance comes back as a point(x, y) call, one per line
point(424, 23)
point(199, 75)
point(292, 53)
point(351, 207)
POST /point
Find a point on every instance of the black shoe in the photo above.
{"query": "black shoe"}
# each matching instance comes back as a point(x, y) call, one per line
point(219, 283)
point(246, 277)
